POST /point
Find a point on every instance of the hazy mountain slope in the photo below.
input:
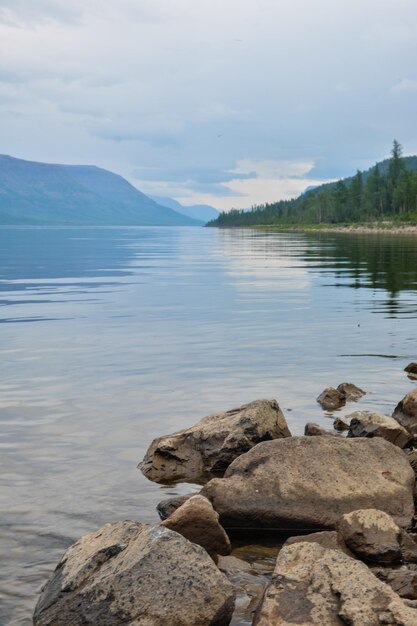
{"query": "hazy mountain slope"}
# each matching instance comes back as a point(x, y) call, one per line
point(203, 212)
point(41, 193)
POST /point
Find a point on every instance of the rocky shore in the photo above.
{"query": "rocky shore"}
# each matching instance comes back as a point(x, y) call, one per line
point(317, 529)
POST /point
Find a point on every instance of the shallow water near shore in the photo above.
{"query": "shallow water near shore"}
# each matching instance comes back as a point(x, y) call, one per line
point(112, 336)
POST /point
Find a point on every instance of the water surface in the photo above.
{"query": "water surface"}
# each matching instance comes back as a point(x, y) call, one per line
point(112, 336)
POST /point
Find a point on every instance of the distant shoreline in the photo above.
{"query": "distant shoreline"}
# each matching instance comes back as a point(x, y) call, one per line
point(393, 229)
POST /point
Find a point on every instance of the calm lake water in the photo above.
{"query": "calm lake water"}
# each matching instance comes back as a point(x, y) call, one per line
point(112, 336)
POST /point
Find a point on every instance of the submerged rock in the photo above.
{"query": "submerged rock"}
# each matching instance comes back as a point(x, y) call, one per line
point(129, 573)
point(316, 586)
point(309, 482)
point(371, 534)
point(197, 521)
point(372, 424)
point(406, 412)
point(208, 448)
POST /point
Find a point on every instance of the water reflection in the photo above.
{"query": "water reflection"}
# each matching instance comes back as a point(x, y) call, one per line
point(142, 331)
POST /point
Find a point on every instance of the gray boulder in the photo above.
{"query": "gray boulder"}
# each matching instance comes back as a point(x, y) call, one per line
point(371, 534)
point(406, 412)
point(207, 449)
point(309, 482)
point(129, 574)
point(315, 586)
point(197, 521)
point(372, 424)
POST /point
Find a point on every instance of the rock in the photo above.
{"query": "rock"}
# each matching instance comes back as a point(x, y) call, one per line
point(197, 521)
point(249, 586)
point(167, 507)
point(208, 448)
point(327, 539)
point(371, 424)
point(340, 424)
point(411, 369)
point(371, 534)
point(309, 482)
point(331, 399)
point(232, 566)
point(131, 573)
point(314, 430)
point(406, 412)
point(351, 391)
point(402, 580)
point(315, 586)
point(408, 547)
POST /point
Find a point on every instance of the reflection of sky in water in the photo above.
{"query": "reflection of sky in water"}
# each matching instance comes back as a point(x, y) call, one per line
point(143, 331)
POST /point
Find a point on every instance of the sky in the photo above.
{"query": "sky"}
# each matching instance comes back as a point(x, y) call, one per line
point(223, 102)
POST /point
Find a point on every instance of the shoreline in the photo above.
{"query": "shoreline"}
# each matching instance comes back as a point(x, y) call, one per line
point(360, 229)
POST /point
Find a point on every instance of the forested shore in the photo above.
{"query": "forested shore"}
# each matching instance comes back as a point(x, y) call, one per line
point(386, 195)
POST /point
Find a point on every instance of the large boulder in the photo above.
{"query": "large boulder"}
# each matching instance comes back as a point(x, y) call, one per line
point(313, 585)
point(406, 412)
point(129, 573)
point(207, 449)
point(371, 534)
point(197, 521)
point(372, 424)
point(309, 482)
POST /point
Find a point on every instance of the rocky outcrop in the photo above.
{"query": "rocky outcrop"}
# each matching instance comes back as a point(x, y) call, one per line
point(197, 521)
point(371, 424)
point(208, 448)
point(372, 535)
point(406, 412)
point(131, 573)
point(327, 539)
point(309, 482)
point(313, 430)
point(315, 586)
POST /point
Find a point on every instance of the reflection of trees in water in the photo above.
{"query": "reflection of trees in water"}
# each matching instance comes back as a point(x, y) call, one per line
point(378, 261)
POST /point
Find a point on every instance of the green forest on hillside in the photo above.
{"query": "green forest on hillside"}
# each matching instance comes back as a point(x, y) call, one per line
point(388, 191)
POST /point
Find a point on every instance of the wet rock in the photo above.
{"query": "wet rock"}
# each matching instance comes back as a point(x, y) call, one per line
point(351, 391)
point(131, 573)
point(327, 539)
point(371, 534)
point(314, 430)
point(167, 507)
point(309, 482)
point(315, 586)
point(197, 521)
point(372, 424)
point(332, 399)
point(408, 547)
point(402, 580)
point(411, 370)
point(208, 448)
point(340, 425)
point(406, 412)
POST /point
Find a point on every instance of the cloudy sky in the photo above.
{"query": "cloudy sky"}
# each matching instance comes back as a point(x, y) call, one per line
point(225, 102)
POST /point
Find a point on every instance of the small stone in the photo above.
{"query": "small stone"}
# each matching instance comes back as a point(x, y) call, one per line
point(314, 430)
point(331, 399)
point(340, 424)
point(351, 391)
point(411, 369)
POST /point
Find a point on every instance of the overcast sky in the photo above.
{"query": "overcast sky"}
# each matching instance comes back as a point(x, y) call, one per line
point(225, 102)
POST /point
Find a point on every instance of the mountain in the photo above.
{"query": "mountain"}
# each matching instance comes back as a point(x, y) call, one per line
point(50, 194)
point(203, 212)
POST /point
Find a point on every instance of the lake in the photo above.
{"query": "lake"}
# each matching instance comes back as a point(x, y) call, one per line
point(112, 336)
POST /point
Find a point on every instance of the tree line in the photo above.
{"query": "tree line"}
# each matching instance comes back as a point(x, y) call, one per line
point(386, 191)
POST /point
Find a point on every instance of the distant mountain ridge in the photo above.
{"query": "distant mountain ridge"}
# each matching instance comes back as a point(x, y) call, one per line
point(52, 194)
point(203, 212)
